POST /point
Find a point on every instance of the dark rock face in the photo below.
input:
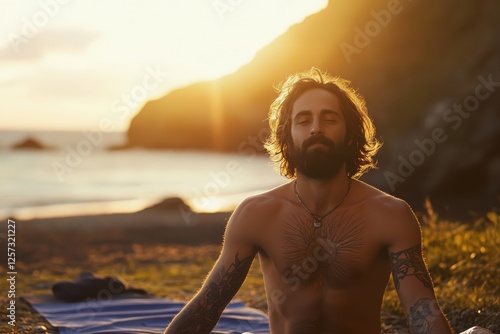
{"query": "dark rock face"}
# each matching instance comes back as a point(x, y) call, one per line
point(430, 72)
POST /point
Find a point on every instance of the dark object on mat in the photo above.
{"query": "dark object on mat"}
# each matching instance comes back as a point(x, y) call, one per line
point(87, 286)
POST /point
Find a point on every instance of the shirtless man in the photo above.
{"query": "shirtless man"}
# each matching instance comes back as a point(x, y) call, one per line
point(327, 242)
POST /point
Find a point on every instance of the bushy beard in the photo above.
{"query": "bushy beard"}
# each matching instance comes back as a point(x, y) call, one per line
point(319, 162)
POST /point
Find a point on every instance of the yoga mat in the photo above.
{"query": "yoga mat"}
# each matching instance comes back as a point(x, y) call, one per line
point(138, 314)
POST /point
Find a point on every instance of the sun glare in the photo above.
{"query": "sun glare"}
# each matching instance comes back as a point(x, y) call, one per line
point(107, 56)
point(209, 204)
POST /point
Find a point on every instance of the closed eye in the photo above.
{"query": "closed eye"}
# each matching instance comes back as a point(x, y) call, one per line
point(303, 120)
point(331, 116)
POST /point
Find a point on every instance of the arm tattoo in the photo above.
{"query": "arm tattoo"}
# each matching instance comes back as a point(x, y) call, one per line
point(203, 312)
point(420, 317)
point(409, 262)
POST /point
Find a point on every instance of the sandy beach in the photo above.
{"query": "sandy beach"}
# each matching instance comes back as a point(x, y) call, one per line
point(170, 222)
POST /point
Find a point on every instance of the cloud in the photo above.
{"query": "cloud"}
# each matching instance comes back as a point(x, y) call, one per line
point(48, 40)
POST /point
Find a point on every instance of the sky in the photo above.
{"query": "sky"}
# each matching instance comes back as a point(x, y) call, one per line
point(69, 64)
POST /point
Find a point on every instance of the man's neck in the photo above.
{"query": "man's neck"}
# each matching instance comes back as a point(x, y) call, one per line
point(320, 195)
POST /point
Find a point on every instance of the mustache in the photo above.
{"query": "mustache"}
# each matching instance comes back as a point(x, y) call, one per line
point(318, 139)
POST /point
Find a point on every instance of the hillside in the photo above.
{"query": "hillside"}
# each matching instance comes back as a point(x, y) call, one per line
point(414, 63)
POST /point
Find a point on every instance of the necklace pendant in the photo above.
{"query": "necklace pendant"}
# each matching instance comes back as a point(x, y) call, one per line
point(317, 223)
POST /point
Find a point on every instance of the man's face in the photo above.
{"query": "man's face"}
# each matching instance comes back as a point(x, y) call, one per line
point(318, 132)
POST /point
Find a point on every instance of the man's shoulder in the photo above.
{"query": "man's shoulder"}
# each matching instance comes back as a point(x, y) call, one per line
point(380, 203)
point(265, 203)
point(253, 214)
point(392, 216)
point(268, 199)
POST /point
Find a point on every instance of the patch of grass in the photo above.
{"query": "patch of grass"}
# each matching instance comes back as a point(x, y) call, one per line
point(462, 258)
point(465, 267)
point(464, 262)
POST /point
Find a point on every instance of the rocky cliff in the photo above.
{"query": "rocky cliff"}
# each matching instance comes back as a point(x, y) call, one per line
point(430, 72)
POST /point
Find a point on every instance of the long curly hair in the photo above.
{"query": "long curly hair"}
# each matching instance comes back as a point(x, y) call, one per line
point(362, 145)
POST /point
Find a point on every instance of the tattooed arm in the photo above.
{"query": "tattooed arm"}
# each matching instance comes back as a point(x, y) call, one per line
point(202, 313)
point(411, 277)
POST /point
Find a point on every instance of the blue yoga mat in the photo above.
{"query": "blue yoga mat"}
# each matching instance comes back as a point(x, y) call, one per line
point(138, 315)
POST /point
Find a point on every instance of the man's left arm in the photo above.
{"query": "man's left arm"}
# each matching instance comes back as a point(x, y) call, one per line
point(411, 277)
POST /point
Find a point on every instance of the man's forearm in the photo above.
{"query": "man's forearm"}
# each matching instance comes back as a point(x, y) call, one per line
point(198, 316)
point(201, 314)
point(426, 317)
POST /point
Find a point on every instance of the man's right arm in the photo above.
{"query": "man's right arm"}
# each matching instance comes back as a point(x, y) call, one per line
point(202, 313)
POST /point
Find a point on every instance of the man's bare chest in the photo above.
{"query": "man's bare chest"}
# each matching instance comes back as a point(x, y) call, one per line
point(344, 249)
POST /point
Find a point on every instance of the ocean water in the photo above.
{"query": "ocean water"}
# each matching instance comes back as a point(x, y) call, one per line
point(80, 176)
